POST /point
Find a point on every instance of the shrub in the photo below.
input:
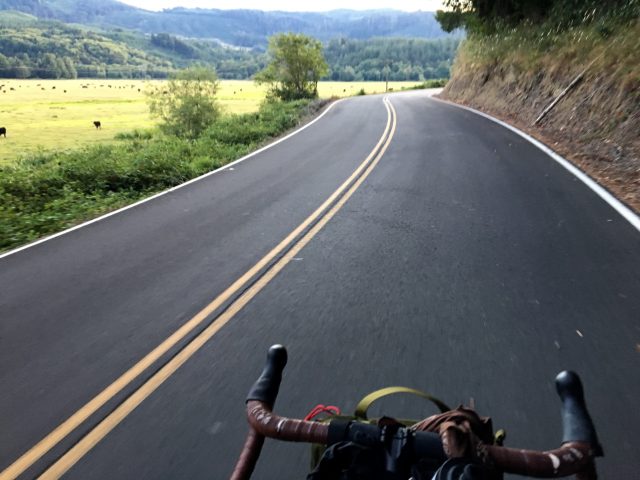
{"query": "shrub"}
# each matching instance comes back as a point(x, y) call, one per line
point(135, 135)
point(49, 191)
point(186, 104)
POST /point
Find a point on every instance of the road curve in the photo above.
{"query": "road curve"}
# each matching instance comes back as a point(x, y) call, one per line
point(466, 263)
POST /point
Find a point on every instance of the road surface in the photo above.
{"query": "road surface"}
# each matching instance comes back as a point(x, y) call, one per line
point(392, 242)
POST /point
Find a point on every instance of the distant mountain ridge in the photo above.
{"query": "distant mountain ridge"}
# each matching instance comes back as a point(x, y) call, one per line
point(246, 28)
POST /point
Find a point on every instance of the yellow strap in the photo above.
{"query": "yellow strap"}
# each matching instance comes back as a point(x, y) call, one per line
point(365, 403)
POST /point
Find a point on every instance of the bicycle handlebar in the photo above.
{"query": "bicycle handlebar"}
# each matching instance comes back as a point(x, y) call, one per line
point(576, 455)
point(577, 425)
point(267, 386)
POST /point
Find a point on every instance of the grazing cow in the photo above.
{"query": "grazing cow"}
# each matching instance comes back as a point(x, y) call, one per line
point(97, 124)
point(3, 132)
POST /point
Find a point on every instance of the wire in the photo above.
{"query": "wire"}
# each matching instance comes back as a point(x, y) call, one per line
point(318, 409)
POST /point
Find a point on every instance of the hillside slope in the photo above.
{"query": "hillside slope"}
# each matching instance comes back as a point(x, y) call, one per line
point(596, 125)
point(33, 48)
point(247, 28)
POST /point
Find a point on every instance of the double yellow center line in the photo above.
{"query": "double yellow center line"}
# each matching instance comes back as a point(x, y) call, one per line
point(260, 274)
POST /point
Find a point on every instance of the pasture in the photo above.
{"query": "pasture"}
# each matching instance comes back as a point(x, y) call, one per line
point(59, 114)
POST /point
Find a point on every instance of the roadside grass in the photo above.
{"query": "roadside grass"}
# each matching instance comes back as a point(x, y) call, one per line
point(46, 192)
point(348, 89)
point(546, 58)
point(433, 83)
point(57, 169)
point(611, 46)
point(42, 115)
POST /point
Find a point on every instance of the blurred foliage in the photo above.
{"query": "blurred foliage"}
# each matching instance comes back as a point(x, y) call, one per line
point(485, 17)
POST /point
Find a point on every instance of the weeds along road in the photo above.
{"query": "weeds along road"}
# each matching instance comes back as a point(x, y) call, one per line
point(401, 242)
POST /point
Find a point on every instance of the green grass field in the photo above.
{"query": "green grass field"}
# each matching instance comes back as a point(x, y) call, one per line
point(59, 114)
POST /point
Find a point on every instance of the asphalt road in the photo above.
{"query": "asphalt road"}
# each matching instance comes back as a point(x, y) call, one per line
point(467, 263)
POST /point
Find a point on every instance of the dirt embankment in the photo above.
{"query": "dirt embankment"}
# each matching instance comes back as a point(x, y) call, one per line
point(596, 125)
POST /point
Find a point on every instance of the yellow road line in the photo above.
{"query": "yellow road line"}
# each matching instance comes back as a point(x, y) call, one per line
point(112, 420)
point(59, 433)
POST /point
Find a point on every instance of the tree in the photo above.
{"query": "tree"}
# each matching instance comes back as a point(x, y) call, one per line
point(296, 66)
point(20, 70)
point(71, 69)
point(186, 104)
point(49, 67)
point(61, 68)
point(5, 66)
point(485, 16)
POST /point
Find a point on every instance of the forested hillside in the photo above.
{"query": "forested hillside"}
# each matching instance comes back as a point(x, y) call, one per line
point(55, 50)
point(32, 48)
point(396, 59)
point(248, 28)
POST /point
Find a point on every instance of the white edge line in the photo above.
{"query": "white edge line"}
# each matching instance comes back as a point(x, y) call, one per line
point(164, 192)
point(617, 205)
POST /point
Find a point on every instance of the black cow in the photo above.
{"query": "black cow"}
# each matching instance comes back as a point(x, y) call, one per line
point(3, 131)
point(97, 124)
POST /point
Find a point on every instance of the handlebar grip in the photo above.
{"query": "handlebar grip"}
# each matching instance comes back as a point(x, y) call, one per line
point(577, 425)
point(267, 386)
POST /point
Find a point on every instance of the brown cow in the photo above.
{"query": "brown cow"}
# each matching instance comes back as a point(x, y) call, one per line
point(3, 132)
point(97, 124)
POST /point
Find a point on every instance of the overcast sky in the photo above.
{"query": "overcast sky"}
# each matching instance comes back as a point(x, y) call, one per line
point(289, 5)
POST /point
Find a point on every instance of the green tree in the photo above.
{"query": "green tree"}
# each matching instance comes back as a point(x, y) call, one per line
point(186, 104)
point(71, 69)
point(20, 70)
point(486, 16)
point(5, 66)
point(61, 68)
point(49, 68)
point(296, 65)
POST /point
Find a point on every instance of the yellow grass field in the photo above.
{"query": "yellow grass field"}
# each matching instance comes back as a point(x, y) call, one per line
point(59, 114)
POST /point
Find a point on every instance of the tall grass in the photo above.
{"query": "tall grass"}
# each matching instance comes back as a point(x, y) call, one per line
point(47, 192)
point(611, 36)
